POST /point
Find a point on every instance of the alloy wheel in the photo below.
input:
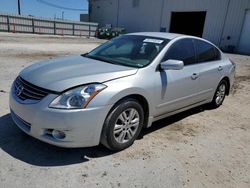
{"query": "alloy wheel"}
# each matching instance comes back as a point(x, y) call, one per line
point(126, 125)
point(220, 94)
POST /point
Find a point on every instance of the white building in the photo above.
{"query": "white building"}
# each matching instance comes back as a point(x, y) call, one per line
point(224, 22)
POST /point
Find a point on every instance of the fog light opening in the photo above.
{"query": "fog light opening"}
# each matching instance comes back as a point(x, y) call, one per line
point(58, 134)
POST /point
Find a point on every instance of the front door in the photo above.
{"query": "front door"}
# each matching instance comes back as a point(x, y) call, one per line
point(177, 89)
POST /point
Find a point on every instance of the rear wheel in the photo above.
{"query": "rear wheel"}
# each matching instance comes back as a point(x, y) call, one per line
point(123, 125)
point(220, 94)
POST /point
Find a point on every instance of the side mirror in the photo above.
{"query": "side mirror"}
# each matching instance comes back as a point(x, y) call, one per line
point(172, 65)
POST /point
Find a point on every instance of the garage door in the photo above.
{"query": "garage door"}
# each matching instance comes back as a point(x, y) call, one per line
point(189, 23)
point(244, 45)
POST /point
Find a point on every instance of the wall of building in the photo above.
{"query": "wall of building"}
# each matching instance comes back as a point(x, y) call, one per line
point(234, 22)
point(104, 11)
point(123, 13)
point(143, 17)
point(223, 25)
point(84, 17)
point(214, 19)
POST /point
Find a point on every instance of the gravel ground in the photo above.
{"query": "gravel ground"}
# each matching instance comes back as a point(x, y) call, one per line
point(197, 148)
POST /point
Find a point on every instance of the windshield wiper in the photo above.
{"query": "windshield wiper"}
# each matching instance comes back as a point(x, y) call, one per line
point(84, 55)
point(107, 60)
point(99, 58)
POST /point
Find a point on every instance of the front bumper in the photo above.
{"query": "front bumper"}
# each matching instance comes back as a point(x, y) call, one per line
point(82, 127)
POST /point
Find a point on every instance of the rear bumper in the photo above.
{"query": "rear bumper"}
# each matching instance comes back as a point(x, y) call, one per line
point(82, 127)
point(232, 77)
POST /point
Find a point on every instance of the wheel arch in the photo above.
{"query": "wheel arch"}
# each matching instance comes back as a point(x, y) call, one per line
point(228, 84)
point(141, 100)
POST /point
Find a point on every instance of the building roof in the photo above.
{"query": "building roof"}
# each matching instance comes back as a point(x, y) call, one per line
point(169, 36)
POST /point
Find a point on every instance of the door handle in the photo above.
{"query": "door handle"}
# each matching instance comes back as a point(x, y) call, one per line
point(194, 76)
point(220, 68)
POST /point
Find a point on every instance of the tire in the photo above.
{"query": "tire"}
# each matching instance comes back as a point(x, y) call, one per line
point(122, 125)
point(220, 94)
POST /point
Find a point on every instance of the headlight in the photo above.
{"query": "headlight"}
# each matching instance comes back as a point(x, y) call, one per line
point(77, 98)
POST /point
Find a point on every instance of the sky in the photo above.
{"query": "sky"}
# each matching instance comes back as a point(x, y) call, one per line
point(39, 8)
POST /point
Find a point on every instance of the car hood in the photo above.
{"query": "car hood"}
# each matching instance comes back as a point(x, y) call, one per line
point(64, 73)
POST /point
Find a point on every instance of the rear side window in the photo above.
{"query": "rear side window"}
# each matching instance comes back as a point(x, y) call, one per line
point(206, 52)
point(182, 50)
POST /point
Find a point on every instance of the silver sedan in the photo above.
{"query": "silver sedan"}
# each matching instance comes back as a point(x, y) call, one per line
point(109, 94)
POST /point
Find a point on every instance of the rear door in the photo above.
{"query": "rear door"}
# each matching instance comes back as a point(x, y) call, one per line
point(176, 89)
point(210, 68)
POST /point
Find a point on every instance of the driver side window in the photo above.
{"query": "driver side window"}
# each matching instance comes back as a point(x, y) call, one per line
point(182, 50)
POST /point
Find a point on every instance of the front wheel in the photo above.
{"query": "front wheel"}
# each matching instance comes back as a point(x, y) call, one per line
point(220, 94)
point(123, 125)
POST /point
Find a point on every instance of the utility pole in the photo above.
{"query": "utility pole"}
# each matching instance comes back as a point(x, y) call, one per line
point(62, 15)
point(117, 14)
point(19, 8)
point(89, 11)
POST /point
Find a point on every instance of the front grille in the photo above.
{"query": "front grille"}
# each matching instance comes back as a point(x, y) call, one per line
point(25, 90)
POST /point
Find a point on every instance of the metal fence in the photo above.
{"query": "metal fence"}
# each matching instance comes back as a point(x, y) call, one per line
point(28, 24)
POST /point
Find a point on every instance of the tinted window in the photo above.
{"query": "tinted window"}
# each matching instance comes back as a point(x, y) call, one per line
point(206, 52)
point(182, 50)
point(217, 54)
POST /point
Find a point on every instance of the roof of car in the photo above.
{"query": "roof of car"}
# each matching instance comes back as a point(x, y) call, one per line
point(164, 35)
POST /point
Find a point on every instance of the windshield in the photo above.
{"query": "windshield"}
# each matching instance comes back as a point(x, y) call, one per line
point(129, 50)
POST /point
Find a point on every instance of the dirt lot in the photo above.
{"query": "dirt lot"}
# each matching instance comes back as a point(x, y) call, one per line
point(198, 148)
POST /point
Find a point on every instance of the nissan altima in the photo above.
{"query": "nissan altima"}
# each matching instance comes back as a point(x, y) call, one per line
point(109, 94)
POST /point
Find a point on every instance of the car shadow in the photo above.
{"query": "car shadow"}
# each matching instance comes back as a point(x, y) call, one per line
point(173, 119)
point(32, 151)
